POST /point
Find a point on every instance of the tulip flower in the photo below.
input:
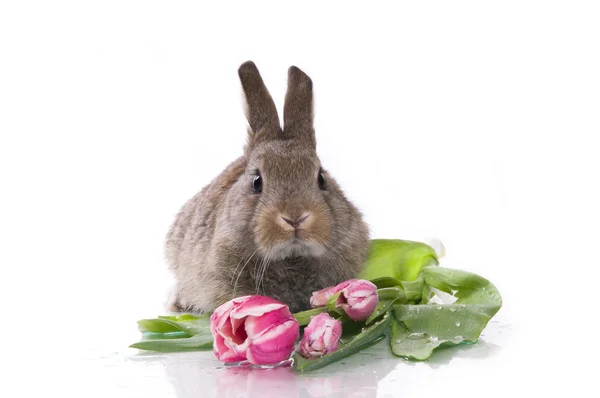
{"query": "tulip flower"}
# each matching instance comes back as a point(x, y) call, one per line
point(321, 297)
point(259, 329)
point(321, 336)
point(358, 298)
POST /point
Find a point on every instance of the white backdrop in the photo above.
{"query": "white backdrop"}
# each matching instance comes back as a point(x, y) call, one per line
point(466, 121)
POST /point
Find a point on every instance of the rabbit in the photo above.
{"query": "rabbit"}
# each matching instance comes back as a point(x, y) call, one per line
point(274, 222)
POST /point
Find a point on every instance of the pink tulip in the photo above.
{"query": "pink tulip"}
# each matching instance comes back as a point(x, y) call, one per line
point(321, 336)
point(358, 298)
point(320, 298)
point(257, 328)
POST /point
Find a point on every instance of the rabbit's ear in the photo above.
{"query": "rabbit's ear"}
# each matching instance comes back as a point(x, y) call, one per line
point(298, 108)
point(260, 108)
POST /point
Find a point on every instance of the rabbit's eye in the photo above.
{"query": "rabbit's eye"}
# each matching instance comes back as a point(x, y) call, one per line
point(321, 181)
point(257, 184)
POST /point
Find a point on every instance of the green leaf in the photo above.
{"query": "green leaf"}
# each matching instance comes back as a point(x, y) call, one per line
point(413, 290)
point(383, 307)
point(304, 317)
point(164, 327)
point(158, 326)
point(386, 282)
point(332, 304)
point(410, 345)
point(195, 343)
point(350, 328)
point(183, 317)
point(371, 335)
point(398, 259)
point(469, 288)
point(430, 325)
point(198, 326)
point(164, 336)
point(391, 293)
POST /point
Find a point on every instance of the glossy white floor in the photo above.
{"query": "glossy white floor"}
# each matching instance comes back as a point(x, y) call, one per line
point(372, 373)
point(86, 352)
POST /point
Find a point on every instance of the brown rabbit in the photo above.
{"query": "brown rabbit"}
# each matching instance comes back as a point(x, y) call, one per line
point(274, 222)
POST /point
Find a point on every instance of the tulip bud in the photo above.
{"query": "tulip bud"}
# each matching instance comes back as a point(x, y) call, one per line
point(358, 298)
point(257, 328)
point(320, 298)
point(321, 336)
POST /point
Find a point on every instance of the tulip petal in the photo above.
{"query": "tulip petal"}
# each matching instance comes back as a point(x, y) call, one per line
point(360, 299)
point(363, 310)
point(256, 326)
point(237, 346)
point(224, 353)
point(321, 336)
point(320, 298)
point(275, 345)
point(255, 306)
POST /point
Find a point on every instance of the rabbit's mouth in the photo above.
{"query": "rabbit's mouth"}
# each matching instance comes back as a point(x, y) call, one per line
point(296, 248)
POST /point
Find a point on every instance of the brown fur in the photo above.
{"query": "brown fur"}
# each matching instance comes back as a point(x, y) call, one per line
point(228, 241)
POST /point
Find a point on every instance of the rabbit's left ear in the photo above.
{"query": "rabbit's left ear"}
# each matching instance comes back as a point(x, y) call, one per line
point(298, 108)
point(260, 108)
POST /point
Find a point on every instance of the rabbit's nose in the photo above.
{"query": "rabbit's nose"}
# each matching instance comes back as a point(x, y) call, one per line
point(296, 223)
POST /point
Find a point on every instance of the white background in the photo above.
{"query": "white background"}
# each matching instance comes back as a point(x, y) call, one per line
point(471, 122)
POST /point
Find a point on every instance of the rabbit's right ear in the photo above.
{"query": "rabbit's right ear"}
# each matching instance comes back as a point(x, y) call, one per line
point(260, 108)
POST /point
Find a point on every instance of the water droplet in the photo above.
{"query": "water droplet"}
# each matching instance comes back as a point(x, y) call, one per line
point(398, 341)
point(418, 310)
point(452, 309)
point(483, 288)
point(433, 338)
point(457, 323)
point(415, 336)
point(439, 307)
point(463, 305)
point(363, 330)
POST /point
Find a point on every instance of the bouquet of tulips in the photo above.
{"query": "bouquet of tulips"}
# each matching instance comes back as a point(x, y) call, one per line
point(402, 294)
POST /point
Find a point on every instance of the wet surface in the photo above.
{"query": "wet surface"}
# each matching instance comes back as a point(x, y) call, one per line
point(107, 368)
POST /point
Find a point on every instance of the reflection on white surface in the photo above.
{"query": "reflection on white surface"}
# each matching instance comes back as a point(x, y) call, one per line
point(371, 373)
point(87, 354)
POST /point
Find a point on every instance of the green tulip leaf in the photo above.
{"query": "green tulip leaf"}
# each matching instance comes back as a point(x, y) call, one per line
point(419, 329)
point(383, 307)
point(194, 343)
point(304, 317)
point(332, 304)
point(399, 259)
point(183, 317)
point(165, 327)
point(391, 293)
point(386, 282)
point(159, 326)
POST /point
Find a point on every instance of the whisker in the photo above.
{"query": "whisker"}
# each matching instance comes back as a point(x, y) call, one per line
point(242, 270)
point(257, 276)
point(267, 263)
point(236, 268)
